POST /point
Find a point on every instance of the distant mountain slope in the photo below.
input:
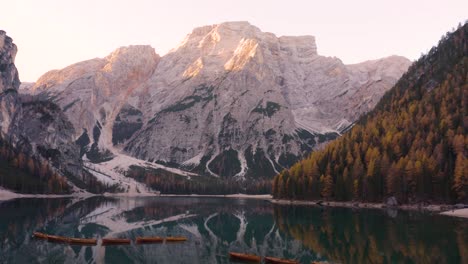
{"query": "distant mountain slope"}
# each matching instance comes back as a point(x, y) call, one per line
point(413, 145)
point(229, 101)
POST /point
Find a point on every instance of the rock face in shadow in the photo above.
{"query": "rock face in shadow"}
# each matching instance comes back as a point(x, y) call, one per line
point(9, 83)
point(37, 128)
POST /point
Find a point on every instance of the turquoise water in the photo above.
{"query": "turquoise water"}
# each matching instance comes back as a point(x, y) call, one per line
point(216, 226)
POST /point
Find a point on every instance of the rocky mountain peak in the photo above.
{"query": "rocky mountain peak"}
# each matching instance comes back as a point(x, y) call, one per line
point(241, 28)
point(218, 39)
point(132, 56)
point(9, 75)
point(209, 52)
point(137, 59)
point(228, 36)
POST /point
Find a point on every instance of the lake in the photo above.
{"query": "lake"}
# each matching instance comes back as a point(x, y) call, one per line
point(216, 226)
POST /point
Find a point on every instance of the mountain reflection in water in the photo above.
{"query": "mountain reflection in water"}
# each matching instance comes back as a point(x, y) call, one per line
point(216, 226)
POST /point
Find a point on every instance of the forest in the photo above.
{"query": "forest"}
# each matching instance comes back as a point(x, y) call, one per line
point(413, 145)
point(25, 174)
point(170, 183)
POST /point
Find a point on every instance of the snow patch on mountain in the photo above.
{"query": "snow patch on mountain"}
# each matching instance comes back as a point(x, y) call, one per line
point(113, 172)
point(193, 161)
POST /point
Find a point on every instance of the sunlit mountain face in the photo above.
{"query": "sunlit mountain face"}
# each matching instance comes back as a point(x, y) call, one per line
point(229, 101)
point(216, 226)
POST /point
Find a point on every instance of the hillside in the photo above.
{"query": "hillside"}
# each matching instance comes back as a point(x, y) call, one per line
point(413, 145)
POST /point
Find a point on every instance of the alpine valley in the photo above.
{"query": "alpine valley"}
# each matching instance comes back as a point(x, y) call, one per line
point(229, 104)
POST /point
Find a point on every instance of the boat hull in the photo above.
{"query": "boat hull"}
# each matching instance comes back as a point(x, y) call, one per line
point(245, 257)
point(40, 235)
point(58, 239)
point(272, 260)
point(115, 241)
point(176, 239)
point(83, 241)
point(149, 240)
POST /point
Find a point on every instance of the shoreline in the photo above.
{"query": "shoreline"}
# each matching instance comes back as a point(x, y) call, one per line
point(237, 196)
point(6, 195)
point(442, 209)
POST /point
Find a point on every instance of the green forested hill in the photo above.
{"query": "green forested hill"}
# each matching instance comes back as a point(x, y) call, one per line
point(413, 145)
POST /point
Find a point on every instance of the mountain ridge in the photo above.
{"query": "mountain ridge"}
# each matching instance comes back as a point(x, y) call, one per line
point(237, 90)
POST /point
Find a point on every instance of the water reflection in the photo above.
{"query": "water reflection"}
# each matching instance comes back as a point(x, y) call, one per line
point(216, 226)
point(369, 236)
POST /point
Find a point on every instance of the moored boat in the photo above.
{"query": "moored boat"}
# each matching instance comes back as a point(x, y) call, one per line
point(115, 241)
point(176, 239)
point(148, 240)
point(40, 235)
point(83, 241)
point(245, 257)
point(273, 260)
point(59, 239)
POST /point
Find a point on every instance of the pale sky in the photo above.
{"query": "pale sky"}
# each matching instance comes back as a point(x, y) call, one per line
point(52, 34)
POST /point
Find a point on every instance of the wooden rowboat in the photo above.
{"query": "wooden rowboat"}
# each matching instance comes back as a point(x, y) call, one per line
point(115, 241)
point(176, 239)
point(272, 260)
point(40, 235)
point(245, 257)
point(83, 241)
point(59, 239)
point(148, 240)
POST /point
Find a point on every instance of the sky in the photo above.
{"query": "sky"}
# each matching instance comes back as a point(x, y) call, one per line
point(52, 34)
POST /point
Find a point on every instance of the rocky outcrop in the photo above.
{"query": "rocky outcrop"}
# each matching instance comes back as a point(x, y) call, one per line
point(47, 133)
point(391, 201)
point(9, 83)
point(26, 88)
point(229, 101)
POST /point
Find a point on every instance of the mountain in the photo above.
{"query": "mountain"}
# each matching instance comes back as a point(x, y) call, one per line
point(413, 145)
point(229, 101)
point(29, 128)
point(37, 149)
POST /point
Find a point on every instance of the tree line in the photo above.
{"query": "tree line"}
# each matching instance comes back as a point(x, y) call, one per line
point(170, 183)
point(413, 145)
point(24, 173)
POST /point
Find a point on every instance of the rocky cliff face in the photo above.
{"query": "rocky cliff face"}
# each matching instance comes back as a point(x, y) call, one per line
point(229, 101)
point(36, 128)
point(9, 83)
